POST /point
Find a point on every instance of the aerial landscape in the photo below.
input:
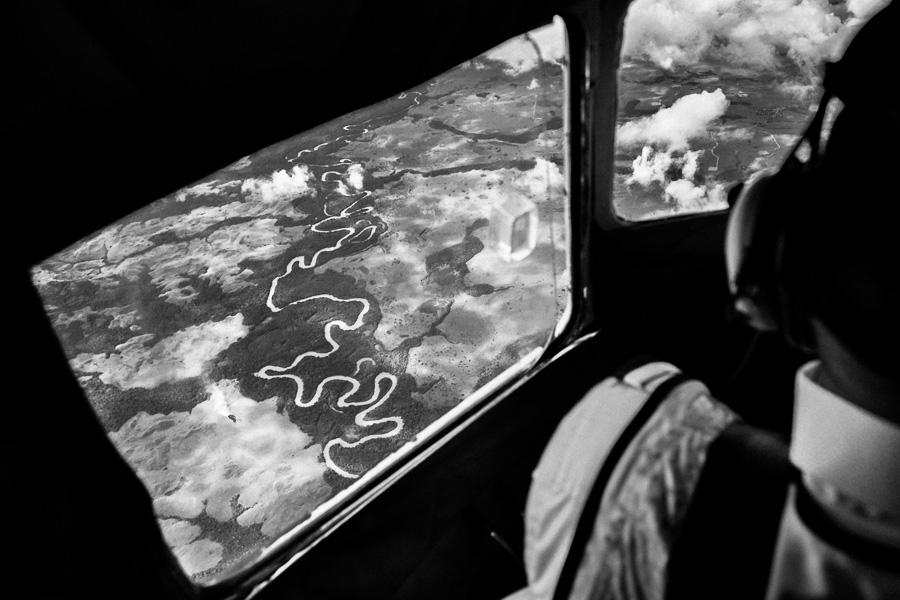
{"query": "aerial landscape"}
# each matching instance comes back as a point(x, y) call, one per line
point(711, 93)
point(257, 342)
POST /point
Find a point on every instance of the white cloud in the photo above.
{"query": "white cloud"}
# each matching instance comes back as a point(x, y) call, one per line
point(551, 39)
point(198, 556)
point(543, 181)
point(519, 53)
point(127, 251)
point(119, 242)
point(655, 166)
point(743, 134)
point(759, 163)
point(206, 188)
point(216, 258)
point(689, 163)
point(257, 468)
point(753, 33)
point(121, 317)
point(242, 163)
point(673, 127)
point(355, 175)
point(675, 171)
point(281, 185)
point(650, 166)
point(342, 188)
point(182, 355)
point(688, 196)
point(799, 90)
point(195, 556)
point(178, 532)
point(668, 32)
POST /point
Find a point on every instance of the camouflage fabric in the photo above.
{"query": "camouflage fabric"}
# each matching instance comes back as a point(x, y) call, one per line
point(645, 499)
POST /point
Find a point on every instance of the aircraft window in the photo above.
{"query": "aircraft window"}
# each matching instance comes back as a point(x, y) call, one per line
point(710, 93)
point(262, 341)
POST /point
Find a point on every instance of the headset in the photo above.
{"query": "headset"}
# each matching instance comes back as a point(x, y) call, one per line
point(766, 239)
point(765, 235)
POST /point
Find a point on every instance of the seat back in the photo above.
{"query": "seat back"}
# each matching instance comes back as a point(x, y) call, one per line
point(727, 539)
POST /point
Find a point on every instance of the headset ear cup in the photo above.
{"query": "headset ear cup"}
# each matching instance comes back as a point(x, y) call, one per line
point(751, 243)
point(765, 239)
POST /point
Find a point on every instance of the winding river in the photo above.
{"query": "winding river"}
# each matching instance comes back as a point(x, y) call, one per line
point(361, 230)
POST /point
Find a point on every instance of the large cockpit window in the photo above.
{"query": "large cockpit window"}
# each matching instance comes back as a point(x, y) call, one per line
point(261, 342)
point(710, 93)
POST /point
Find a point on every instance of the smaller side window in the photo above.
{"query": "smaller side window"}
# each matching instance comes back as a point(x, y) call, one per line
point(711, 93)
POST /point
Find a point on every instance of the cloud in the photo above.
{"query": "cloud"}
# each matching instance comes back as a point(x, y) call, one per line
point(182, 355)
point(121, 317)
point(342, 188)
point(744, 134)
point(256, 468)
point(759, 163)
point(650, 166)
point(689, 163)
point(543, 181)
point(198, 556)
point(281, 185)
point(754, 33)
point(242, 163)
point(675, 171)
point(119, 242)
point(673, 127)
point(551, 39)
point(519, 53)
point(657, 166)
point(799, 90)
point(805, 31)
point(128, 251)
point(668, 32)
point(206, 188)
point(355, 175)
point(195, 556)
point(689, 196)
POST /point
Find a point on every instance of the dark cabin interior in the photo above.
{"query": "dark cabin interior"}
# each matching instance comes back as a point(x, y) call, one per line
point(114, 105)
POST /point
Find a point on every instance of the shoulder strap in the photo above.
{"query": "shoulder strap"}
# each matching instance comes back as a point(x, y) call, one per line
point(727, 539)
point(588, 516)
